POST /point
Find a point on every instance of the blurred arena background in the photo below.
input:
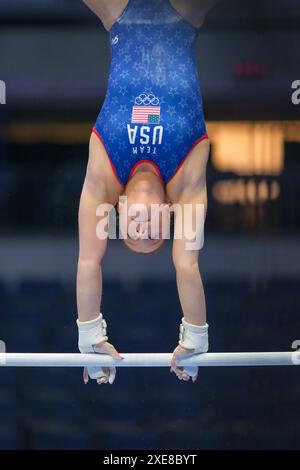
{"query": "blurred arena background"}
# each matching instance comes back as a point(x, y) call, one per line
point(54, 59)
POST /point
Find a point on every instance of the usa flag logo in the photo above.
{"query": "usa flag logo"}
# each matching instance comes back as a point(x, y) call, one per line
point(146, 110)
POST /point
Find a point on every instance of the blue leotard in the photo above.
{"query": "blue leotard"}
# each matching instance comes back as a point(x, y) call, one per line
point(153, 107)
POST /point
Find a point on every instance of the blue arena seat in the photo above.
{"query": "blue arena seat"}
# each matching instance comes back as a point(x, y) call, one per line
point(9, 436)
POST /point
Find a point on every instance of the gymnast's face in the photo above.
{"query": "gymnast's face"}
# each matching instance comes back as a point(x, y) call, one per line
point(144, 215)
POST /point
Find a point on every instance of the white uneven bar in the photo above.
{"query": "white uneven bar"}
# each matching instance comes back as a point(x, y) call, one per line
point(149, 360)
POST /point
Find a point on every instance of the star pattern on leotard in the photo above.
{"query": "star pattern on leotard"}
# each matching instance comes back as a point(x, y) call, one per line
point(123, 108)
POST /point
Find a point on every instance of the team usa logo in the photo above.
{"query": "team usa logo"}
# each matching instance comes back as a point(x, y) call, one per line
point(145, 132)
point(146, 109)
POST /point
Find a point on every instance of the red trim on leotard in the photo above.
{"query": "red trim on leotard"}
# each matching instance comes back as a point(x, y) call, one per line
point(145, 161)
point(185, 157)
point(109, 159)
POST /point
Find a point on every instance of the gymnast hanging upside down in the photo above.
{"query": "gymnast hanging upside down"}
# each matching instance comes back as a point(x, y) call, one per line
point(149, 144)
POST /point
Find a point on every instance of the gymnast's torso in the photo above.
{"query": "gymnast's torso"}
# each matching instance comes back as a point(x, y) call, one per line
point(153, 109)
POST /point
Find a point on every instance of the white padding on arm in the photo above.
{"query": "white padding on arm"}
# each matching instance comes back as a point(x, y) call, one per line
point(193, 336)
point(91, 333)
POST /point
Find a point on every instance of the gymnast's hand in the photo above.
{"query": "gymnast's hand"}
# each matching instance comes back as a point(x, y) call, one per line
point(103, 375)
point(193, 339)
point(93, 339)
point(183, 373)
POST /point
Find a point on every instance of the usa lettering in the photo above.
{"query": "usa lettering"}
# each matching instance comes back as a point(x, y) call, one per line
point(145, 139)
point(145, 135)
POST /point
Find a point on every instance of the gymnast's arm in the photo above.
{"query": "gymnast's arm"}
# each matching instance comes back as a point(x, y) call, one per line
point(91, 248)
point(189, 283)
point(91, 324)
point(192, 192)
point(107, 10)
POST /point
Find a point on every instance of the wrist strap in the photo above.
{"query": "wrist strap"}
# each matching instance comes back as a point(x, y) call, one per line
point(193, 336)
point(92, 332)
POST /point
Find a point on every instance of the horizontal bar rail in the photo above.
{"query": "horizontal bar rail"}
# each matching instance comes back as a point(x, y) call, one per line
point(150, 359)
